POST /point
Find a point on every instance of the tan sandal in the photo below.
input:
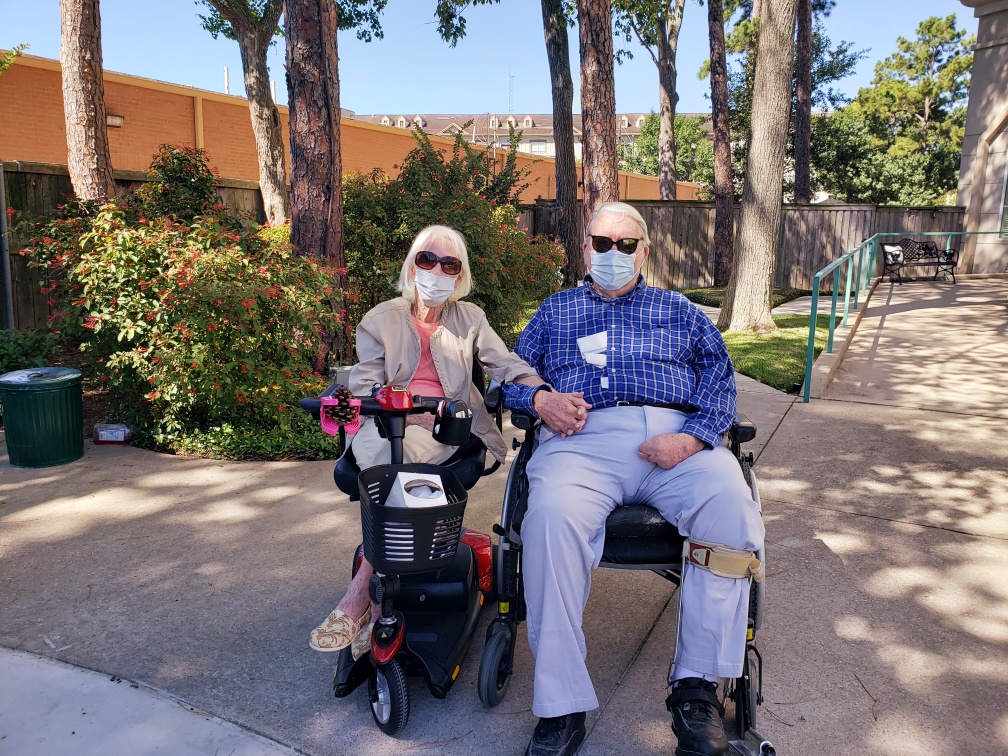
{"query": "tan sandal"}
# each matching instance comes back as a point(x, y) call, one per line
point(338, 631)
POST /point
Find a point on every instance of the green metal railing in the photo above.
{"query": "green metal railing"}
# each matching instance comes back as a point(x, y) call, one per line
point(859, 274)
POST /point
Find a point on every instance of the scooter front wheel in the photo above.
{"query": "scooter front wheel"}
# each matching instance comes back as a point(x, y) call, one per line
point(390, 698)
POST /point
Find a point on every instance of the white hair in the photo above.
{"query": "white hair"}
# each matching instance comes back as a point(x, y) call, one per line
point(625, 210)
point(424, 238)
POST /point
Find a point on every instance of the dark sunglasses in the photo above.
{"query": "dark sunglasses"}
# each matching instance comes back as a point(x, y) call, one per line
point(426, 260)
point(603, 244)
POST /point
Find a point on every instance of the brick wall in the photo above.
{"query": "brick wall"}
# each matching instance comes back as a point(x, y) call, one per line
point(32, 129)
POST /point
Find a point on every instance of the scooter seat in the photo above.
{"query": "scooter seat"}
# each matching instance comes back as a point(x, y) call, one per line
point(467, 463)
point(638, 537)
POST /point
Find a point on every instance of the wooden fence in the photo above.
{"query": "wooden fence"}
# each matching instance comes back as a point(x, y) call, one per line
point(812, 236)
point(34, 189)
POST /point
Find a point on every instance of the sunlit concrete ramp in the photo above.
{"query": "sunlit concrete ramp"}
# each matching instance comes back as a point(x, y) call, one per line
point(886, 506)
point(931, 345)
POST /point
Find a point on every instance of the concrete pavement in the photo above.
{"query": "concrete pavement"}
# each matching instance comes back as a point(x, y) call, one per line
point(887, 615)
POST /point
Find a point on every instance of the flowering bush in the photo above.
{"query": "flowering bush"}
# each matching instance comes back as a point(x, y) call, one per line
point(201, 330)
point(181, 185)
point(382, 216)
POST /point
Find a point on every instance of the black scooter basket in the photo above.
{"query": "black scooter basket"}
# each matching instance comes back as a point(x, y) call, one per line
point(406, 540)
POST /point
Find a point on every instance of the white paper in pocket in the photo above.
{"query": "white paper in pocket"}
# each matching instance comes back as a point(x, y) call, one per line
point(593, 348)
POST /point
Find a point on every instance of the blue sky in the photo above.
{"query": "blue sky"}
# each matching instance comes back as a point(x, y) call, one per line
point(500, 66)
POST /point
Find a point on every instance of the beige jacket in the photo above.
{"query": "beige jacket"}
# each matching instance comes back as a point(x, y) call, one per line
point(388, 348)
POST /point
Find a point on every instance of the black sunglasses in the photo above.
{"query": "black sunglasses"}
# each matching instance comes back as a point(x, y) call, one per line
point(426, 260)
point(604, 244)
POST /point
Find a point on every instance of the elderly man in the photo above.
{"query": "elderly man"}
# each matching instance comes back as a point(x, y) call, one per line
point(659, 394)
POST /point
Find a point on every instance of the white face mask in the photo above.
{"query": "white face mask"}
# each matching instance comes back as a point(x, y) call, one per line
point(612, 270)
point(433, 289)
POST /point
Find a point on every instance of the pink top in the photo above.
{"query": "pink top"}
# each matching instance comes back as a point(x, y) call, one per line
point(426, 381)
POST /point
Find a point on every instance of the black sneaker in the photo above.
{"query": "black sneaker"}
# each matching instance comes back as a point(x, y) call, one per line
point(557, 736)
point(696, 718)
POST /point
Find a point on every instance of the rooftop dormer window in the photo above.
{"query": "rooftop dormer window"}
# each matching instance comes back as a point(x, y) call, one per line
point(624, 122)
point(401, 122)
point(640, 121)
point(386, 121)
point(527, 123)
point(511, 121)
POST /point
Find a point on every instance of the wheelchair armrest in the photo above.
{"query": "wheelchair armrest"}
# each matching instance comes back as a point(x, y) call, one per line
point(523, 420)
point(494, 398)
point(742, 430)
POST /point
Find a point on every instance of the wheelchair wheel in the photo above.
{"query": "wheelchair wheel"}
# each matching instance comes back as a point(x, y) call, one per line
point(390, 705)
point(495, 669)
point(746, 696)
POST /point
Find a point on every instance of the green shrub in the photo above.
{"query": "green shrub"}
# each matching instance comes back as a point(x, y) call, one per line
point(25, 349)
point(181, 186)
point(383, 215)
point(198, 328)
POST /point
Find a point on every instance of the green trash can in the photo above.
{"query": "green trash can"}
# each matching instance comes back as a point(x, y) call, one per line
point(43, 416)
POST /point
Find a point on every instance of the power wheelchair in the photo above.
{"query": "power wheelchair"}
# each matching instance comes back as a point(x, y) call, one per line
point(637, 538)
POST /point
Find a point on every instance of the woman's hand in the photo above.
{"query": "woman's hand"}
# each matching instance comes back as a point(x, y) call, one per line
point(565, 414)
point(669, 449)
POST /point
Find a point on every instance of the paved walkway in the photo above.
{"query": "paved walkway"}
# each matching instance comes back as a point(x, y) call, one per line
point(887, 616)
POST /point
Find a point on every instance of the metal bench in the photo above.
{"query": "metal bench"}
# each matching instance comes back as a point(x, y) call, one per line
point(908, 252)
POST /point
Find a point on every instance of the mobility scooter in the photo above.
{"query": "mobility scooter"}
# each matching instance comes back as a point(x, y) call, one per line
point(637, 538)
point(431, 575)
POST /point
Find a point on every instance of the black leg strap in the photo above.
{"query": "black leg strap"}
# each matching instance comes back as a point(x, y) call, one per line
point(694, 689)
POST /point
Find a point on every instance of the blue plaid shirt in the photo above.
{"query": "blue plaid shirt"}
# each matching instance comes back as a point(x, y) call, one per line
point(662, 349)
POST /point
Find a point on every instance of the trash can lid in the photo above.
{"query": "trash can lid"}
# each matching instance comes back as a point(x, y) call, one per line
point(39, 378)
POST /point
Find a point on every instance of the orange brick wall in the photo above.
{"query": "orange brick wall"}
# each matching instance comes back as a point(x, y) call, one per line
point(31, 117)
point(152, 118)
point(32, 129)
point(229, 141)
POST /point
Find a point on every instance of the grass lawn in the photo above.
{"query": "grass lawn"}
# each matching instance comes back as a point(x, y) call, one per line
point(713, 296)
point(777, 359)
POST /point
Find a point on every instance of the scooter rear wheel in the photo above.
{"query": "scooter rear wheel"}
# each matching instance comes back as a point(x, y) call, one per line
point(495, 669)
point(391, 708)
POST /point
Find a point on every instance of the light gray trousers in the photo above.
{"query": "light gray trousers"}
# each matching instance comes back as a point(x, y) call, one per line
point(575, 482)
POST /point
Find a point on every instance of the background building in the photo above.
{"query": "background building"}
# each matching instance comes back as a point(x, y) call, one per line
point(492, 128)
point(983, 171)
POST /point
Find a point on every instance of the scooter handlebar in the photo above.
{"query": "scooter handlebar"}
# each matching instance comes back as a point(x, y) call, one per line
point(453, 421)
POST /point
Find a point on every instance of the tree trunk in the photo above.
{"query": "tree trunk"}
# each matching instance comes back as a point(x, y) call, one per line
point(668, 40)
point(254, 36)
point(88, 157)
point(749, 75)
point(724, 222)
point(598, 105)
point(316, 166)
point(748, 299)
point(565, 221)
point(803, 105)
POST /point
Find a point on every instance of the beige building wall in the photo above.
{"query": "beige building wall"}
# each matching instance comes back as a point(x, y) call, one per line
point(983, 172)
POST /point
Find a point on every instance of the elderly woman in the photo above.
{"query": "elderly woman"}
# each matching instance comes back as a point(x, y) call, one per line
point(426, 340)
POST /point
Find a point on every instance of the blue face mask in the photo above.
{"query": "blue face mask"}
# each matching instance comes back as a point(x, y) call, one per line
point(612, 270)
